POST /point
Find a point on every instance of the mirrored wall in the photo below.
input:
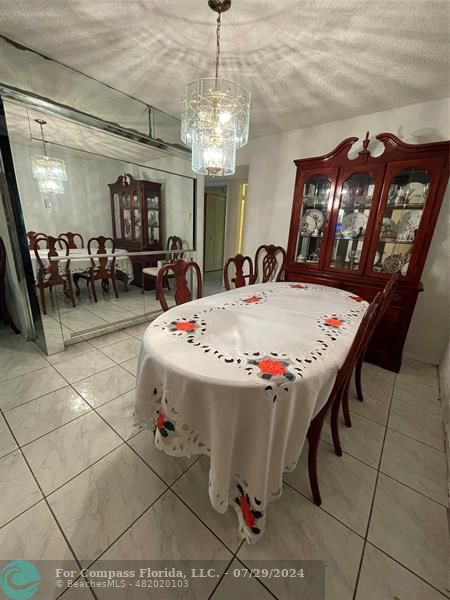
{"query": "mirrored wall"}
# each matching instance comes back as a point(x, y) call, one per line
point(101, 213)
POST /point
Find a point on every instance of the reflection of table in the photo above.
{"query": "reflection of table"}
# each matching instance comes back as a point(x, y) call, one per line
point(82, 265)
point(238, 376)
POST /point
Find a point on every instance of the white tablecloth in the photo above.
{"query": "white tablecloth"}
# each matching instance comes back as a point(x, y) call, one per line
point(81, 265)
point(239, 376)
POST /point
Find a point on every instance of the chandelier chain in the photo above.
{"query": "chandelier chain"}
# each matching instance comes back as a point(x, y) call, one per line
point(219, 23)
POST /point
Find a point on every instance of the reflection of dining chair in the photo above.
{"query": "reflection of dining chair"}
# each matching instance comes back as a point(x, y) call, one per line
point(239, 279)
point(32, 235)
point(272, 265)
point(335, 397)
point(173, 243)
point(4, 312)
point(387, 294)
point(101, 268)
point(70, 237)
point(182, 292)
point(49, 275)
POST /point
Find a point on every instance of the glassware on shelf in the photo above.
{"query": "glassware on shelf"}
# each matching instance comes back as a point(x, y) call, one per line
point(352, 218)
point(316, 193)
point(405, 203)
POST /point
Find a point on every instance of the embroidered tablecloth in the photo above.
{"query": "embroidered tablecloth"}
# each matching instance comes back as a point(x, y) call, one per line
point(239, 376)
point(81, 265)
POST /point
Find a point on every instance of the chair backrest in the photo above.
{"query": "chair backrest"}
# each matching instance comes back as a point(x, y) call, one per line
point(182, 293)
point(360, 340)
point(105, 265)
point(70, 237)
point(388, 292)
point(273, 263)
point(239, 279)
point(50, 272)
point(174, 243)
point(32, 235)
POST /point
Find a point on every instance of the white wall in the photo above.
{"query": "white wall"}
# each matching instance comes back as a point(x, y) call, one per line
point(271, 187)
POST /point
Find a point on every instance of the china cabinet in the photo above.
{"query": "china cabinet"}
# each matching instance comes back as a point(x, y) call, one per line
point(136, 219)
point(357, 219)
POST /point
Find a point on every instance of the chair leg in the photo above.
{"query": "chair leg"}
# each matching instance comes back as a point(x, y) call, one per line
point(313, 445)
point(113, 279)
point(76, 278)
point(125, 283)
point(358, 368)
point(94, 292)
point(42, 294)
point(335, 426)
point(70, 288)
point(345, 405)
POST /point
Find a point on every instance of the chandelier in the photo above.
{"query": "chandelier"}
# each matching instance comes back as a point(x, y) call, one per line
point(50, 173)
point(215, 116)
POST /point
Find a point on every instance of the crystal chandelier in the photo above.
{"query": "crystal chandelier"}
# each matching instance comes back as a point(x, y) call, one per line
point(50, 173)
point(215, 116)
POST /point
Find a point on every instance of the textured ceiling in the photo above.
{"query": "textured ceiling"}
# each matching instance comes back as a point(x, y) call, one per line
point(305, 61)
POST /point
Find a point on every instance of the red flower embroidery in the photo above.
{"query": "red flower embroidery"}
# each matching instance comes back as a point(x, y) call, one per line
point(357, 298)
point(247, 512)
point(334, 322)
point(297, 286)
point(252, 299)
point(160, 420)
point(271, 367)
point(185, 326)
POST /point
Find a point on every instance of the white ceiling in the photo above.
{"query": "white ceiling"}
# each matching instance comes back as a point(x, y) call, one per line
point(305, 61)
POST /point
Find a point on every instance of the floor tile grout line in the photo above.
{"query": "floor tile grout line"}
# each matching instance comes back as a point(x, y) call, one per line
point(415, 439)
point(323, 509)
point(259, 580)
point(6, 410)
point(372, 504)
point(412, 489)
point(387, 474)
point(39, 437)
point(407, 568)
point(44, 499)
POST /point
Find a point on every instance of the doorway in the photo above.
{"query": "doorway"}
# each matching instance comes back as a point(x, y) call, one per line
point(215, 217)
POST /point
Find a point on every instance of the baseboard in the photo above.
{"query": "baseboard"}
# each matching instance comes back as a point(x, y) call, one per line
point(420, 358)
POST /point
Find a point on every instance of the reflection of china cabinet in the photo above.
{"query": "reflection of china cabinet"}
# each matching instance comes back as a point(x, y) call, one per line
point(355, 221)
point(136, 218)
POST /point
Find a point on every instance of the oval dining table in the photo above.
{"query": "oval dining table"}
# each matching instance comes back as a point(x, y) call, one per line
point(238, 376)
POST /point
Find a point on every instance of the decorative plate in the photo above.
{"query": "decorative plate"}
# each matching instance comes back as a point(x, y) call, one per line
point(388, 229)
point(315, 214)
point(415, 193)
point(393, 263)
point(408, 224)
point(355, 221)
point(308, 224)
point(405, 267)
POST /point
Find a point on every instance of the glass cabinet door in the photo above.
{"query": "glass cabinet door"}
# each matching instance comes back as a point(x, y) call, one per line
point(350, 223)
point(126, 216)
point(316, 194)
point(406, 200)
point(153, 218)
point(136, 217)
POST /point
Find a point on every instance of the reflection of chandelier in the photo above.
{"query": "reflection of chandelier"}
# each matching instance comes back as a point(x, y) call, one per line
point(215, 116)
point(49, 172)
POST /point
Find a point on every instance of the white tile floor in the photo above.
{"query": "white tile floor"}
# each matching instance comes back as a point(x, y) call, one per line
point(78, 481)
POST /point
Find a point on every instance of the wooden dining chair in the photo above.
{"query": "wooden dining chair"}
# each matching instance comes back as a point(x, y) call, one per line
point(334, 400)
point(104, 268)
point(32, 235)
point(273, 262)
point(70, 237)
point(183, 294)
point(174, 243)
point(387, 294)
point(49, 275)
point(239, 278)
point(4, 311)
